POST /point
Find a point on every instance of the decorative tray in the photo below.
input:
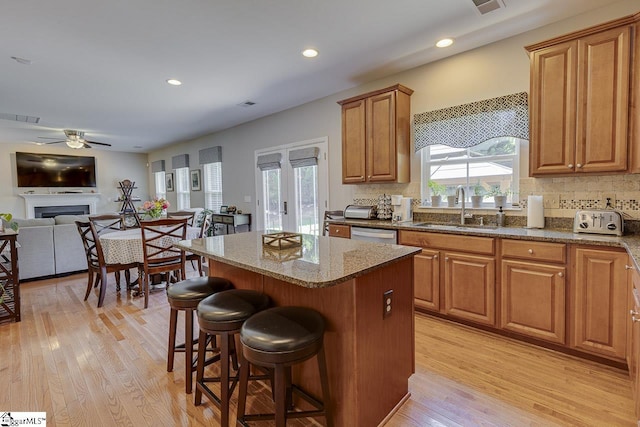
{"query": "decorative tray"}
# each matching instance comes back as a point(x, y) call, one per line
point(282, 240)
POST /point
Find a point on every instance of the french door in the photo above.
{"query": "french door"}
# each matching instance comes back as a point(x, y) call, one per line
point(292, 187)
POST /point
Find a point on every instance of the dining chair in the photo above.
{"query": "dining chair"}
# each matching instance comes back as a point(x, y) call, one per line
point(206, 223)
point(330, 215)
point(97, 267)
point(160, 256)
point(107, 223)
point(190, 215)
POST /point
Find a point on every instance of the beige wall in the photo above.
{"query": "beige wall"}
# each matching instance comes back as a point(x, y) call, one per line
point(111, 167)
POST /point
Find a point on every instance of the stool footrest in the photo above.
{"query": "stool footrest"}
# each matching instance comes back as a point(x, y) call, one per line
point(318, 412)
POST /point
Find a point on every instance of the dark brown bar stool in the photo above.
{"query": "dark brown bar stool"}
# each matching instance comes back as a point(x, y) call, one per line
point(278, 338)
point(222, 315)
point(185, 295)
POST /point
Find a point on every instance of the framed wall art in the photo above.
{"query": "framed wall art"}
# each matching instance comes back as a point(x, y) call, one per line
point(195, 180)
point(169, 182)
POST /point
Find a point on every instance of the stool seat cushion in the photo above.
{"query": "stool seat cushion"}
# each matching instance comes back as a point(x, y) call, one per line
point(231, 306)
point(197, 288)
point(283, 329)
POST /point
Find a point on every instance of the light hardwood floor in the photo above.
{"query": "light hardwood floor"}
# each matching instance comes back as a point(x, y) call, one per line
point(107, 366)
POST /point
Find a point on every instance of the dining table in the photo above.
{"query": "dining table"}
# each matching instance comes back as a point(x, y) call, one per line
point(125, 246)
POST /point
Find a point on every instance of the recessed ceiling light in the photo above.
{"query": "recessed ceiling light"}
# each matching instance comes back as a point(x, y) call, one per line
point(174, 82)
point(444, 42)
point(310, 53)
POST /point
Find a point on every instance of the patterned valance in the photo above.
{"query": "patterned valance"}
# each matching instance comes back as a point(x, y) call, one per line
point(471, 124)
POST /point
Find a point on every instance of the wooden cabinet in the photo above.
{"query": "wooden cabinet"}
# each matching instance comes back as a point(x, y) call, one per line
point(633, 334)
point(579, 105)
point(454, 275)
point(426, 281)
point(599, 293)
point(376, 136)
point(469, 287)
point(533, 289)
point(340, 230)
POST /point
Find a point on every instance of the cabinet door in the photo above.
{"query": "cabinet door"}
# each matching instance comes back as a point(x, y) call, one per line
point(533, 300)
point(381, 137)
point(353, 142)
point(603, 101)
point(600, 301)
point(469, 286)
point(426, 282)
point(339, 230)
point(552, 109)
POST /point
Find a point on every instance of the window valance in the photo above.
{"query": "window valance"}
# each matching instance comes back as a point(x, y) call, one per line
point(210, 155)
point(470, 124)
point(304, 157)
point(269, 161)
point(181, 161)
point(157, 166)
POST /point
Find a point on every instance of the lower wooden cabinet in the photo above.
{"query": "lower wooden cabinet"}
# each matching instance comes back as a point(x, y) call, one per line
point(426, 282)
point(533, 300)
point(600, 301)
point(470, 287)
point(339, 230)
point(633, 334)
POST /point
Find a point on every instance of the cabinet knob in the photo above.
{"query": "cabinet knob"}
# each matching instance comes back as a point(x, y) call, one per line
point(435, 257)
point(628, 267)
point(633, 312)
point(570, 165)
point(579, 165)
point(446, 258)
point(530, 251)
point(634, 319)
point(561, 274)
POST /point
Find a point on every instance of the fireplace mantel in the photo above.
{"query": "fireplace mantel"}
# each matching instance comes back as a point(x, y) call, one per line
point(61, 199)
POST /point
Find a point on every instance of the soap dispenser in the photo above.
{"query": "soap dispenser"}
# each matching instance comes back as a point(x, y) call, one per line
point(500, 218)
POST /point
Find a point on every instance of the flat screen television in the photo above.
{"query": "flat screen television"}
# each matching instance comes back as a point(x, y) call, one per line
point(55, 170)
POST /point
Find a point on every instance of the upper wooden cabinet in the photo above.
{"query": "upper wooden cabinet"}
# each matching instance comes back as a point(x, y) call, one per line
point(376, 136)
point(579, 102)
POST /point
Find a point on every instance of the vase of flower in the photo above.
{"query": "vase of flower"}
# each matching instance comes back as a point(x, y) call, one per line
point(153, 209)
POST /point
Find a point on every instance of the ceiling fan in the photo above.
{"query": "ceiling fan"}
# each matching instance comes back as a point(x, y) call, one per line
point(75, 139)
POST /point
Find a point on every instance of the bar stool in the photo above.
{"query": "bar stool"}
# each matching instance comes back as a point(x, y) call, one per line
point(185, 295)
point(223, 314)
point(278, 338)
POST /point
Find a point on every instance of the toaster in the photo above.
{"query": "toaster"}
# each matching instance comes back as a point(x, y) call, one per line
point(360, 212)
point(599, 221)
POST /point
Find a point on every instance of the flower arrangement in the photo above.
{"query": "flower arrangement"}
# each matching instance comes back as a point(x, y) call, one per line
point(153, 208)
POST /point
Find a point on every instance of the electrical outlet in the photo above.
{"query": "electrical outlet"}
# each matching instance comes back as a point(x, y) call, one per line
point(551, 201)
point(387, 303)
point(611, 197)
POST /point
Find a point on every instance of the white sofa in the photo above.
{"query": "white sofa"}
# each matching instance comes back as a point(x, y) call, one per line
point(50, 246)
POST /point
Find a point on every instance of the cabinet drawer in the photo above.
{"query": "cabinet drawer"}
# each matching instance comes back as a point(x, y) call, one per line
point(338, 230)
point(227, 220)
point(480, 245)
point(538, 251)
point(216, 218)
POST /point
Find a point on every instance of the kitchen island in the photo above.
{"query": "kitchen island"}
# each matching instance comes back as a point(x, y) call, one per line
point(370, 350)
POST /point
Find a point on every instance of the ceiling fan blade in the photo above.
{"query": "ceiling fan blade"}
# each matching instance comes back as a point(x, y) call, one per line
point(47, 137)
point(98, 143)
point(54, 142)
point(86, 145)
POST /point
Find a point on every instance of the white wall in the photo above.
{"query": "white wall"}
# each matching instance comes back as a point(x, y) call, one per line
point(111, 167)
point(494, 70)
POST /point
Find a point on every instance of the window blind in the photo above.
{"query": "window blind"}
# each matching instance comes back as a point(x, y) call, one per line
point(269, 161)
point(212, 182)
point(304, 157)
point(182, 188)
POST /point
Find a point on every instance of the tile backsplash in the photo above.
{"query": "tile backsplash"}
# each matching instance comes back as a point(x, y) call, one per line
point(574, 192)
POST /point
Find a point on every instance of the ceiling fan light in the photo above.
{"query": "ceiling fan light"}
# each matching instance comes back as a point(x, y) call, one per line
point(74, 143)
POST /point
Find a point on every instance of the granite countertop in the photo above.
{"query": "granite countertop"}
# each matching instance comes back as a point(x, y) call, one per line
point(320, 261)
point(629, 242)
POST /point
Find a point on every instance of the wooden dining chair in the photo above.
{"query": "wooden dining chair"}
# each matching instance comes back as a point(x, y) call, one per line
point(189, 215)
point(206, 223)
point(160, 256)
point(96, 265)
point(330, 215)
point(107, 223)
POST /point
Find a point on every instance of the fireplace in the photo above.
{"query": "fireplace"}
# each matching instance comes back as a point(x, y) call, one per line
point(52, 211)
point(60, 204)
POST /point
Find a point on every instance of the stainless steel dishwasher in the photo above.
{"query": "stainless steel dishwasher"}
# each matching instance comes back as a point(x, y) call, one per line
point(374, 235)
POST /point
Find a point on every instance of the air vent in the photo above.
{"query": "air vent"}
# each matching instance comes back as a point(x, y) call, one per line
point(19, 118)
point(247, 104)
point(486, 6)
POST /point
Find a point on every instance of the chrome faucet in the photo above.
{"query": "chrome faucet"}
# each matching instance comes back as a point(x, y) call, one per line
point(463, 215)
